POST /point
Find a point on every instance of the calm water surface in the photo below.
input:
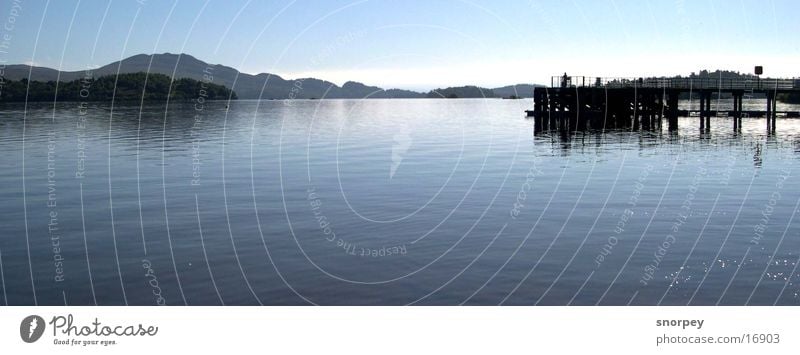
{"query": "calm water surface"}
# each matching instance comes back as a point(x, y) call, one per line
point(433, 202)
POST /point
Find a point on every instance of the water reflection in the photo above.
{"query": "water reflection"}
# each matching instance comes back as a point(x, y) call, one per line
point(564, 143)
point(269, 203)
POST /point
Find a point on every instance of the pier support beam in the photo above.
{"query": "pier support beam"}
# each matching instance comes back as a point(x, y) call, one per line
point(672, 115)
point(708, 110)
point(661, 108)
point(774, 112)
point(770, 112)
point(572, 113)
point(552, 115)
point(737, 111)
point(540, 109)
point(644, 111)
point(637, 110)
point(703, 111)
point(739, 120)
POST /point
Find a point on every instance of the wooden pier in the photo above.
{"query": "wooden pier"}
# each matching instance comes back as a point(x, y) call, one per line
point(578, 103)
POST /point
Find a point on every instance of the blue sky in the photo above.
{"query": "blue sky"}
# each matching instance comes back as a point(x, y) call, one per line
point(415, 44)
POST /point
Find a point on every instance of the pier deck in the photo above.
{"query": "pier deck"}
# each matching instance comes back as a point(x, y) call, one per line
point(579, 103)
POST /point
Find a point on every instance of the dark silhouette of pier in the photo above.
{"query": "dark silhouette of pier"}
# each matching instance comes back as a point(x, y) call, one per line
point(574, 103)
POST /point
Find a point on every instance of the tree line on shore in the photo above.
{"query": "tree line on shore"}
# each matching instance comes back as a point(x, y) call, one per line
point(122, 87)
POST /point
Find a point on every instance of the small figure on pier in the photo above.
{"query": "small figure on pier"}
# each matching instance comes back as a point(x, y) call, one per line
point(564, 80)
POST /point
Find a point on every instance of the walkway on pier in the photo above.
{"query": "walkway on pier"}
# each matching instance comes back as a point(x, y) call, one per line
point(579, 102)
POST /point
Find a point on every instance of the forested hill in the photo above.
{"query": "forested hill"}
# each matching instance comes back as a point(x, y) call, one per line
point(124, 87)
point(460, 92)
point(247, 86)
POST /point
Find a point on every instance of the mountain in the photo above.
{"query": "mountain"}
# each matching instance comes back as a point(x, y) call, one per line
point(246, 86)
point(355, 90)
point(461, 92)
point(519, 90)
point(124, 87)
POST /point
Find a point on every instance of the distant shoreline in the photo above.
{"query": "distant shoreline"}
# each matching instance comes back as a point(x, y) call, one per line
point(123, 87)
point(320, 99)
point(251, 100)
point(250, 86)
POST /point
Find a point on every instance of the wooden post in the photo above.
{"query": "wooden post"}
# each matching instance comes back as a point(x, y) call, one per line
point(735, 105)
point(774, 113)
point(673, 110)
point(661, 108)
point(737, 110)
point(740, 111)
point(552, 115)
point(708, 109)
point(702, 111)
point(645, 111)
point(637, 110)
point(769, 112)
point(538, 109)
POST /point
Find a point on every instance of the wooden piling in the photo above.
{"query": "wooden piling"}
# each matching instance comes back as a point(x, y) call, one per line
point(769, 112)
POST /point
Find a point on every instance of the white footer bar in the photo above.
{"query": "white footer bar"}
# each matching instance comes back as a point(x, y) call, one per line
point(398, 330)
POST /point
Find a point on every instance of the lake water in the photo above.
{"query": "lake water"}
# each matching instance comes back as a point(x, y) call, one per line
point(389, 202)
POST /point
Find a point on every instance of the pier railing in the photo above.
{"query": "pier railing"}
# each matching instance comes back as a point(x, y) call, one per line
point(676, 83)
